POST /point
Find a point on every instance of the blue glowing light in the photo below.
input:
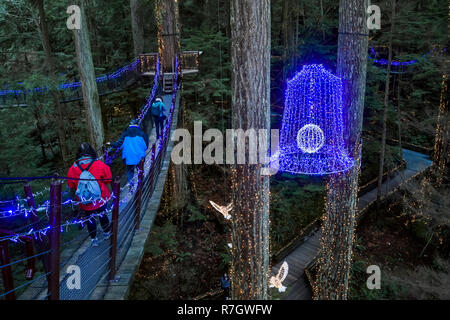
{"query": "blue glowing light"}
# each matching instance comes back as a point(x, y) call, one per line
point(385, 62)
point(74, 85)
point(311, 138)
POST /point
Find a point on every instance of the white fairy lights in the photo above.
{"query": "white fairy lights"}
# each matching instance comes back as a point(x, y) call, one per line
point(277, 281)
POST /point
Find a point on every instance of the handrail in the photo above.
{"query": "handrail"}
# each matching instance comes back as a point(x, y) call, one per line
point(129, 214)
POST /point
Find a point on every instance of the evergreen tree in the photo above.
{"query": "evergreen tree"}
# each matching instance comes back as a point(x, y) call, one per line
point(250, 54)
point(340, 209)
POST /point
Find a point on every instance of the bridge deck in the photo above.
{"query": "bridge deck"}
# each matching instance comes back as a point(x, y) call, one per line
point(298, 289)
point(94, 261)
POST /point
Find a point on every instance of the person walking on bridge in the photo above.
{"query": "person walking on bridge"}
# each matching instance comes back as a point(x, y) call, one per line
point(92, 194)
point(158, 110)
point(134, 142)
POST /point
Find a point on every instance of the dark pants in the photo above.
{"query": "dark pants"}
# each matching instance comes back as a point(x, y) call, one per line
point(92, 223)
point(227, 292)
point(130, 173)
point(159, 123)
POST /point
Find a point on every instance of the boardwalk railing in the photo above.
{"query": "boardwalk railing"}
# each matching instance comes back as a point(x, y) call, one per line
point(122, 78)
point(72, 268)
point(310, 268)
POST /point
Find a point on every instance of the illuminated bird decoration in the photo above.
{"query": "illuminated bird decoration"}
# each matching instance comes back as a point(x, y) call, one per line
point(225, 210)
point(277, 281)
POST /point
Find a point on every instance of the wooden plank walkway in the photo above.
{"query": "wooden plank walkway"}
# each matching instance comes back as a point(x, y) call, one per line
point(81, 253)
point(297, 287)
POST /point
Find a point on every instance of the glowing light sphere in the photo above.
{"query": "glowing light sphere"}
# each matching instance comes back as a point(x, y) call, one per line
point(311, 137)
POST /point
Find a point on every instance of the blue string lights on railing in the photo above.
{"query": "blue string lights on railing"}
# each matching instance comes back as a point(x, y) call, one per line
point(311, 139)
point(109, 159)
point(373, 56)
point(38, 234)
point(42, 232)
point(73, 85)
point(152, 94)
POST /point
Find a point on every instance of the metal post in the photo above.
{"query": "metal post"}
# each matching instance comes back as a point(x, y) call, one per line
point(152, 167)
point(31, 265)
point(55, 239)
point(137, 213)
point(8, 280)
point(114, 228)
point(40, 245)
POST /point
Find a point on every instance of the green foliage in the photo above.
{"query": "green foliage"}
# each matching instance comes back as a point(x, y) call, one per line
point(226, 259)
point(295, 202)
point(162, 239)
point(183, 256)
point(195, 214)
point(421, 230)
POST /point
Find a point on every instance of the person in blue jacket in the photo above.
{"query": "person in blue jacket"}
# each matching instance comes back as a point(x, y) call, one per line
point(225, 284)
point(158, 110)
point(134, 143)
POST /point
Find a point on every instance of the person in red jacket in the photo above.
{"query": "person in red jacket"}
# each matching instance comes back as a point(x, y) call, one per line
point(91, 194)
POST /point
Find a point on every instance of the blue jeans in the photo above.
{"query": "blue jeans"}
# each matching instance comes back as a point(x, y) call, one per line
point(130, 173)
point(159, 123)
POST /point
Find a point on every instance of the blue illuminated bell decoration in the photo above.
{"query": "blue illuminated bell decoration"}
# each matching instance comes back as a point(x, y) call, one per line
point(311, 138)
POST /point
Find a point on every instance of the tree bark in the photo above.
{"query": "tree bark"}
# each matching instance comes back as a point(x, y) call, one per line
point(321, 20)
point(285, 35)
point(340, 208)
point(40, 130)
point(168, 32)
point(52, 73)
point(88, 81)
point(399, 115)
point(441, 145)
point(250, 52)
point(386, 107)
point(137, 26)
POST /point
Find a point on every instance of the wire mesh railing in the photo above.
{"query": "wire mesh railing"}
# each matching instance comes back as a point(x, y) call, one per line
point(70, 267)
point(72, 91)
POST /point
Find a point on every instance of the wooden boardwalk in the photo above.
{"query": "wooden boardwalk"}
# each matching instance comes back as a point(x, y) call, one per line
point(297, 287)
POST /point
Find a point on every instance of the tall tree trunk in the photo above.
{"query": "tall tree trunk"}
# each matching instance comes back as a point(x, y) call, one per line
point(168, 32)
point(52, 73)
point(40, 130)
point(137, 26)
point(321, 20)
point(340, 208)
point(285, 35)
point(399, 115)
point(169, 47)
point(441, 144)
point(386, 107)
point(297, 31)
point(90, 12)
point(88, 81)
point(250, 52)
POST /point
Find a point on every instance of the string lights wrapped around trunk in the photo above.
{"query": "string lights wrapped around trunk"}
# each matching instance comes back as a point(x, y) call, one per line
point(311, 139)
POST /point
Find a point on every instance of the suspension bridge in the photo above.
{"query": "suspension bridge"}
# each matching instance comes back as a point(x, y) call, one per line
point(47, 247)
point(54, 246)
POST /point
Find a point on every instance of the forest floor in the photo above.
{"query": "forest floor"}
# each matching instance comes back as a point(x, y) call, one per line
point(184, 260)
point(394, 243)
point(181, 262)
